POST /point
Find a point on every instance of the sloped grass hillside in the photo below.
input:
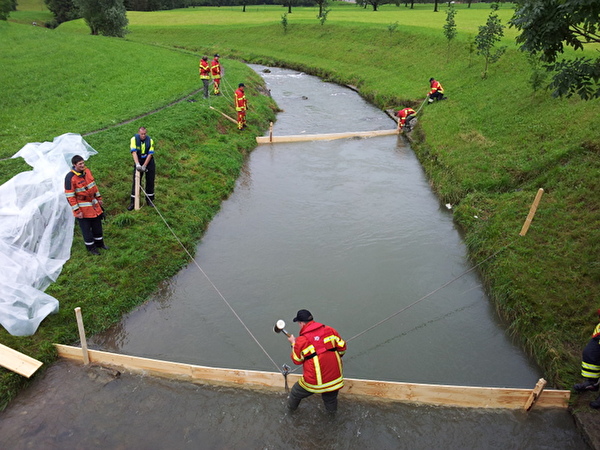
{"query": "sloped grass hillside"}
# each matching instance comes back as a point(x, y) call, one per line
point(60, 82)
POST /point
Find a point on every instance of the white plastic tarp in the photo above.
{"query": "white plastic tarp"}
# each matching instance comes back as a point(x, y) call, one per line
point(36, 232)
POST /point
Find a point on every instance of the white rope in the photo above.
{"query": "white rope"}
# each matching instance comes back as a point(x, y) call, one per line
point(211, 283)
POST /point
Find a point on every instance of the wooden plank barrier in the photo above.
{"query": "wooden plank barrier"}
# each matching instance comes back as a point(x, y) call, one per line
point(18, 362)
point(432, 394)
point(323, 137)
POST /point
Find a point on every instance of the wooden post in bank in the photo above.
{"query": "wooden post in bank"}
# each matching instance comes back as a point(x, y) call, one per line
point(532, 211)
point(136, 200)
point(84, 349)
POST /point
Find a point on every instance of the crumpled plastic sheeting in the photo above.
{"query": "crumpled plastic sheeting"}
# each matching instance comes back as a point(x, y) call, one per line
point(36, 232)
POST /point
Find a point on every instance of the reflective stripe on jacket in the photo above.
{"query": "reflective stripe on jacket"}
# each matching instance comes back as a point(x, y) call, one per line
point(215, 68)
point(319, 349)
point(204, 69)
point(241, 104)
point(82, 193)
point(144, 148)
point(436, 86)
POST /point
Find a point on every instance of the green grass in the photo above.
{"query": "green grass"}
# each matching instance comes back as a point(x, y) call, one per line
point(487, 150)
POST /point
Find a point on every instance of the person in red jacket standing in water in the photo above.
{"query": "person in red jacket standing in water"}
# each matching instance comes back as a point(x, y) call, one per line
point(86, 202)
point(241, 105)
point(319, 349)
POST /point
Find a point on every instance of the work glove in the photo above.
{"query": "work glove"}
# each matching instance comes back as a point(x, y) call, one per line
point(139, 168)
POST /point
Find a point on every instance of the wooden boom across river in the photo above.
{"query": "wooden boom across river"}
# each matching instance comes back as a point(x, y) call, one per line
point(441, 395)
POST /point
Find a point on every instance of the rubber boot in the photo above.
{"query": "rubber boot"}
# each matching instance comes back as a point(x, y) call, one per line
point(131, 205)
point(595, 404)
point(92, 249)
point(150, 201)
point(590, 384)
point(100, 244)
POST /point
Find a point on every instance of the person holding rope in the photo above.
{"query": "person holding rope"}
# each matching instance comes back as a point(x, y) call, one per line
point(142, 152)
point(406, 118)
point(86, 202)
point(216, 71)
point(437, 91)
point(319, 349)
point(241, 105)
point(204, 69)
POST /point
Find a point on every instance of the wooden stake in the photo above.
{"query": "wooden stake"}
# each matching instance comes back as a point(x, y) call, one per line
point(271, 132)
point(535, 394)
point(224, 115)
point(532, 211)
point(136, 200)
point(84, 349)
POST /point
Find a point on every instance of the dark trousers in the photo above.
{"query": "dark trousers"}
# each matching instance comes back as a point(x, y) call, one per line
point(150, 174)
point(437, 95)
point(91, 229)
point(205, 85)
point(298, 393)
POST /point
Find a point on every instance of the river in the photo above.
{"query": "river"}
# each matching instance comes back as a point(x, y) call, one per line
point(348, 229)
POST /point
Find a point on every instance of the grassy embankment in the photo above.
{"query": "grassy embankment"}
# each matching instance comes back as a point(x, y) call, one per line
point(57, 83)
point(488, 149)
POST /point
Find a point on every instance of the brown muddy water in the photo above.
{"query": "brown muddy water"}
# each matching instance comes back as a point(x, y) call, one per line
point(348, 229)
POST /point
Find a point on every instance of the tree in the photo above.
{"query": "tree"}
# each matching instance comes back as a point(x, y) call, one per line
point(376, 3)
point(450, 26)
point(547, 26)
point(62, 10)
point(105, 17)
point(6, 6)
point(489, 35)
point(322, 5)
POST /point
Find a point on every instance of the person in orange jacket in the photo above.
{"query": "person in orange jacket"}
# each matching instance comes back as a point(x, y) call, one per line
point(319, 348)
point(216, 72)
point(405, 118)
point(436, 92)
point(241, 105)
point(204, 69)
point(86, 202)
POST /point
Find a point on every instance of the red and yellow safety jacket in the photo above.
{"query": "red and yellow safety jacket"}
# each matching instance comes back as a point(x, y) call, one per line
point(204, 69)
point(215, 68)
point(319, 349)
point(404, 113)
point(436, 86)
point(241, 104)
point(596, 332)
point(82, 193)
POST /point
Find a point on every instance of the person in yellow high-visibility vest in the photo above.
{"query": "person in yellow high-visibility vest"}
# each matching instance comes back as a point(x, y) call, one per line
point(204, 69)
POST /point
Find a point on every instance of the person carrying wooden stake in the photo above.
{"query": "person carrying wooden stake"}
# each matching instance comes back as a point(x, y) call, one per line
point(142, 152)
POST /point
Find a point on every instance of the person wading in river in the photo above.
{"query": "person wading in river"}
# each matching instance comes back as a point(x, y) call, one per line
point(319, 349)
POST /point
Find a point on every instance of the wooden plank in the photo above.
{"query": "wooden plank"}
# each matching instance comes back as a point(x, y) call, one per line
point(18, 362)
point(432, 394)
point(324, 137)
